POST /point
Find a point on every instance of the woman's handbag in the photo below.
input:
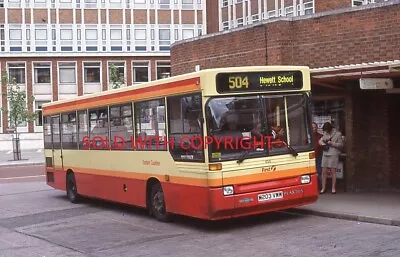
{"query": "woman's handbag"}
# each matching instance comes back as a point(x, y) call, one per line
point(326, 147)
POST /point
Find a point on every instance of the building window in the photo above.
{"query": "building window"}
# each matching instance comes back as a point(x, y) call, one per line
point(163, 70)
point(16, 71)
point(40, 3)
point(115, 3)
point(289, 11)
point(66, 34)
point(255, 17)
point(140, 4)
point(187, 4)
point(140, 34)
point(90, 3)
point(65, 3)
point(15, 34)
point(41, 34)
point(240, 22)
point(2, 38)
point(164, 4)
point(187, 33)
point(362, 2)
point(91, 72)
point(66, 73)
point(140, 39)
point(116, 34)
point(14, 3)
point(140, 72)
point(120, 67)
point(91, 34)
point(225, 25)
point(308, 8)
point(41, 73)
point(66, 38)
point(165, 37)
point(116, 39)
point(225, 3)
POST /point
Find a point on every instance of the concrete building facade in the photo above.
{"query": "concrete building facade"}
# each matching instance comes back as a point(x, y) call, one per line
point(58, 49)
point(342, 44)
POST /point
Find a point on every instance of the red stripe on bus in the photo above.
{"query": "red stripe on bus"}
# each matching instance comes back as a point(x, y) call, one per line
point(127, 93)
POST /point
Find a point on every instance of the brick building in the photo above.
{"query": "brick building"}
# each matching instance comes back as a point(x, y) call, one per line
point(57, 49)
point(341, 43)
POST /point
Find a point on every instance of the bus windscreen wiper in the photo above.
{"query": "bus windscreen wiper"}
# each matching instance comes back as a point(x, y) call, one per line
point(291, 149)
point(242, 157)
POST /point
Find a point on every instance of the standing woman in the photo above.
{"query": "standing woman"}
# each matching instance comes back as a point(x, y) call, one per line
point(331, 143)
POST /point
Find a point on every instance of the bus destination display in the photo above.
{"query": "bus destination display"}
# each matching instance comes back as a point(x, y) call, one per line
point(259, 81)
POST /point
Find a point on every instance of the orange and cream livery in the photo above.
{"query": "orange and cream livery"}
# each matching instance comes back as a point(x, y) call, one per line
point(213, 144)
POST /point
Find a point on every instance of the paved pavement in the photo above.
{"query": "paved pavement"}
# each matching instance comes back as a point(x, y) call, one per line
point(378, 207)
point(28, 157)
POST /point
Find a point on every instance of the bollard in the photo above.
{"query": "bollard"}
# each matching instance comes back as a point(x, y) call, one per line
point(16, 149)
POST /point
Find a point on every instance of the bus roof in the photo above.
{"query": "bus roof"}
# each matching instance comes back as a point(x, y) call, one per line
point(185, 83)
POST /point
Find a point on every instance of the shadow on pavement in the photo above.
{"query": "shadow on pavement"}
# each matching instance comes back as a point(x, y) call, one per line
point(193, 223)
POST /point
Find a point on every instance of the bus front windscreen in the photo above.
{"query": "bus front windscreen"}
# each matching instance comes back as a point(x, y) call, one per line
point(254, 126)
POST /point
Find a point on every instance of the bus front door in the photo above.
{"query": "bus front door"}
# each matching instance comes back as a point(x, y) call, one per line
point(56, 138)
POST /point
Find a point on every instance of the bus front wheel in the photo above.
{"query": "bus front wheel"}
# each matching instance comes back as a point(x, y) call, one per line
point(157, 204)
point(72, 191)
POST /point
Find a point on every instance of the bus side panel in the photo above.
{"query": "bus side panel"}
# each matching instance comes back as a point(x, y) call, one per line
point(55, 175)
point(188, 200)
point(56, 178)
point(123, 190)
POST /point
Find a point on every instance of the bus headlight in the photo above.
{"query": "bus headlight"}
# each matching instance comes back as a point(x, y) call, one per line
point(228, 190)
point(305, 179)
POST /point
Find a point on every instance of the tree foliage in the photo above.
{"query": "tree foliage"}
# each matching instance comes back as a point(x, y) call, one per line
point(116, 79)
point(18, 102)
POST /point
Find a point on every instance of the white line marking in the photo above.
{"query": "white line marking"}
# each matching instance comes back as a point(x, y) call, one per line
point(9, 152)
point(22, 177)
point(39, 151)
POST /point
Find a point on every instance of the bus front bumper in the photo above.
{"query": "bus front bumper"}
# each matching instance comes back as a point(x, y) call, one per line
point(261, 201)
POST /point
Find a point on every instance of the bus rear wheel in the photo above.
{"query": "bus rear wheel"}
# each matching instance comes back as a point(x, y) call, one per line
point(72, 191)
point(157, 204)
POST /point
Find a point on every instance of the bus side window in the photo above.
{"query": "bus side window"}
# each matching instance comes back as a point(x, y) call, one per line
point(185, 127)
point(150, 125)
point(69, 140)
point(48, 144)
point(98, 131)
point(121, 127)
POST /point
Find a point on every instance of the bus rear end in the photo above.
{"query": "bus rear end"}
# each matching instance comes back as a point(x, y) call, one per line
point(260, 142)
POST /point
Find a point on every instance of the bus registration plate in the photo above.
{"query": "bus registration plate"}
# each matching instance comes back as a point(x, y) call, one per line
point(270, 196)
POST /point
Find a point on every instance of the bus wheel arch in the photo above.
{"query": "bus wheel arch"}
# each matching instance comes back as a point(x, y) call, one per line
point(71, 188)
point(155, 200)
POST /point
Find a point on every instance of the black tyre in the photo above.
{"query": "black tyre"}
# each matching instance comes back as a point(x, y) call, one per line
point(72, 191)
point(157, 204)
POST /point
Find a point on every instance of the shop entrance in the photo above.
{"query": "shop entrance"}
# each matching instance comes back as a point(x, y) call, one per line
point(332, 110)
